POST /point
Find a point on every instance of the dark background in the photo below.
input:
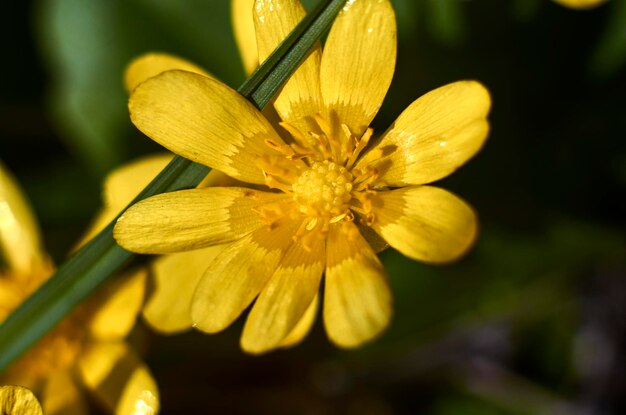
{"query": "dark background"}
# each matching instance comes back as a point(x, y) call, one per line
point(531, 321)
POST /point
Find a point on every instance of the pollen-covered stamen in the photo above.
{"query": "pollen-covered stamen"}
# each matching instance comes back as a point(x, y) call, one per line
point(324, 190)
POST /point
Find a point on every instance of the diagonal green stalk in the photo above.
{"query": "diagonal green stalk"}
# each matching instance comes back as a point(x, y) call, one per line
point(82, 273)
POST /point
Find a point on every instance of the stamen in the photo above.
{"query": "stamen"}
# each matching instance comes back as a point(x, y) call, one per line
point(323, 124)
point(307, 234)
point(348, 216)
point(273, 183)
point(294, 131)
point(324, 145)
point(360, 145)
point(316, 171)
point(311, 224)
point(272, 213)
point(364, 177)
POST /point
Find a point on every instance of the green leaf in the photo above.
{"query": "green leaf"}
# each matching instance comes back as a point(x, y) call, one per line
point(100, 258)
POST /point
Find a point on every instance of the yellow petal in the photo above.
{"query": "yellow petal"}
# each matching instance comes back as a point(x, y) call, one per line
point(61, 395)
point(191, 219)
point(151, 64)
point(98, 223)
point(285, 299)
point(119, 379)
point(115, 306)
point(20, 244)
point(434, 136)
point(358, 62)
point(124, 183)
point(168, 309)
point(375, 241)
point(16, 400)
point(243, 26)
point(120, 188)
point(217, 178)
point(205, 121)
point(237, 276)
point(425, 223)
point(300, 96)
point(357, 300)
point(580, 4)
point(299, 332)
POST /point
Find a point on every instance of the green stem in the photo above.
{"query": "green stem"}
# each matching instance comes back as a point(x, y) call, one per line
point(82, 273)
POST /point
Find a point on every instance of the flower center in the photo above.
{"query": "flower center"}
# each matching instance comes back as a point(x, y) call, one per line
point(324, 189)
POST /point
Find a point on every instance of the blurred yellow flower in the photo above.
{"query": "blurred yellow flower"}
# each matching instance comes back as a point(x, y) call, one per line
point(86, 349)
point(16, 400)
point(580, 4)
point(322, 201)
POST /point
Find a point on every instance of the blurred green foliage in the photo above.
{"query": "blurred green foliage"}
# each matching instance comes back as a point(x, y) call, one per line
point(88, 45)
point(526, 323)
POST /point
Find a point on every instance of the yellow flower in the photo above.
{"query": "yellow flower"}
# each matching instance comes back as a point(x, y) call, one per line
point(320, 202)
point(580, 4)
point(15, 400)
point(86, 349)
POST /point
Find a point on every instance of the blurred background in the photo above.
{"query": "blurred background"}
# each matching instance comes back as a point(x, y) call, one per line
point(532, 321)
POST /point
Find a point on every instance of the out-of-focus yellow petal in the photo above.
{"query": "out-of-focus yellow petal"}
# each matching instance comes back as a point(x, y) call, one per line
point(425, 223)
point(20, 244)
point(238, 275)
point(299, 332)
point(357, 300)
point(358, 62)
point(168, 309)
point(243, 27)
point(300, 96)
point(285, 299)
point(124, 183)
point(120, 188)
point(580, 4)
point(115, 306)
point(191, 219)
point(119, 379)
point(151, 64)
point(99, 222)
point(16, 400)
point(62, 396)
point(205, 121)
point(434, 136)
